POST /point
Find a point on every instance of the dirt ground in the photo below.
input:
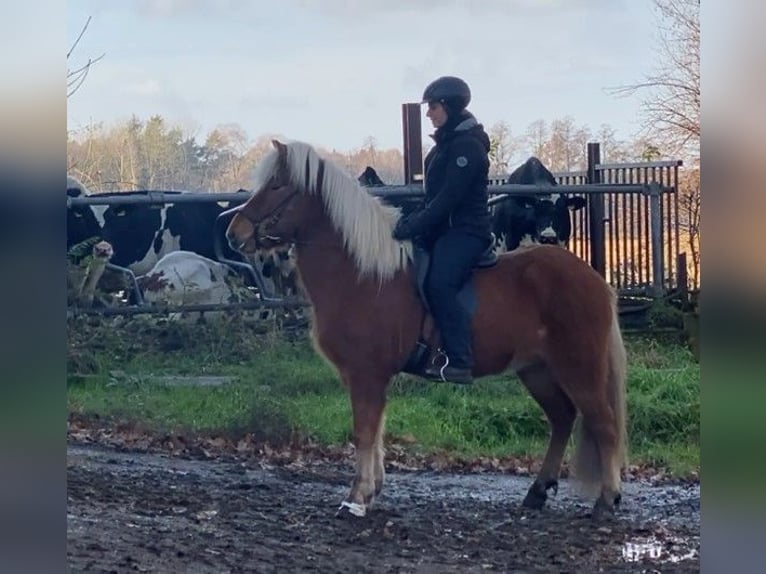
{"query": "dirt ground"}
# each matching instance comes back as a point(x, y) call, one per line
point(150, 512)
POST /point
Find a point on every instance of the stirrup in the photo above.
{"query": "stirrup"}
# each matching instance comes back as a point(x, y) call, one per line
point(432, 367)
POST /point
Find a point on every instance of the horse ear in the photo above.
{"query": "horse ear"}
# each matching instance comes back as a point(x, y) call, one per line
point(575, 203)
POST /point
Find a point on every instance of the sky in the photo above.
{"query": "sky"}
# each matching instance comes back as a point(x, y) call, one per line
point(335, 72)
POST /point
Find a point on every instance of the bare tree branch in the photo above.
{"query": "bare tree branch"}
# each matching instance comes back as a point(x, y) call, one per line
point(75, 78)
point(77, 41)
point(671, 95)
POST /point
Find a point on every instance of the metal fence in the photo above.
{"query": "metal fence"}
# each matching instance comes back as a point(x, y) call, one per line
point(637, 241)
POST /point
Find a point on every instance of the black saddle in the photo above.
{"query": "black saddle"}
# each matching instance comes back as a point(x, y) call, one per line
point(489, 257)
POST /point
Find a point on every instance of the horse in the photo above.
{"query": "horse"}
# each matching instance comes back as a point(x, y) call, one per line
point(539, 311)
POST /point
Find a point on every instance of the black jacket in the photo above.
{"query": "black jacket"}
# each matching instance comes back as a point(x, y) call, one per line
point(456, 170)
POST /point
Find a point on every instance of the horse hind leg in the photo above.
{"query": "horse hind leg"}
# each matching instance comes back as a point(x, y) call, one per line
point(368, 403)
point(599, 451)
point(561, 415)
point(595, 464)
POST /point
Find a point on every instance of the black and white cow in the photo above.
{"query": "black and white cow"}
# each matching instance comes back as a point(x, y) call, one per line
point(142, 234)
point(528, 219)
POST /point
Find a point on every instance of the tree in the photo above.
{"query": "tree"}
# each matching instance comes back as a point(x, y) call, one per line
point(566, 145)
point(369, 151)
point(502, 148)
point(690, 205)
point(671, 103)
point(536, 140)
point(671, 107)
point(612, 149)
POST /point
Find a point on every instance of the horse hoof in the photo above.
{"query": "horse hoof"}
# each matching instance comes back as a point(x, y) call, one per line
point(352, 508)
point(534, 500)
point(602, 510)
point(538, 494)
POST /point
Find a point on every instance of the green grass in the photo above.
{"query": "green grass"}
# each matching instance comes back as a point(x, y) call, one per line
point(282, 390)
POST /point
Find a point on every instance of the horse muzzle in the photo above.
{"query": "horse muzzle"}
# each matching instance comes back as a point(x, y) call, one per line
point(247, 245)
point(269, 241)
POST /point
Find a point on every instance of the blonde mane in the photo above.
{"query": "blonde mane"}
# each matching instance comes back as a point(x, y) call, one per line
point(364, 222)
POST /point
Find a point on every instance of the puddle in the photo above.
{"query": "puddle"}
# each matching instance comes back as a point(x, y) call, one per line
point(672, 549)
point(641, 500)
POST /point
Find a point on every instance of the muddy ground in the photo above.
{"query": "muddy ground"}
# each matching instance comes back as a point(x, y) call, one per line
point(149, 512)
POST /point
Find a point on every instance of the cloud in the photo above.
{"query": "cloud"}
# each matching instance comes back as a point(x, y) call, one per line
point(271, 100)
point(147, 87)
point(172, 8)
point(419, 12)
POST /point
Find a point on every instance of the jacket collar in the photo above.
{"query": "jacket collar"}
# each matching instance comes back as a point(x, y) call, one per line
point(460, 123)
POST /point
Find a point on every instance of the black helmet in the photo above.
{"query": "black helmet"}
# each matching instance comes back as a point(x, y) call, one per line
point(450, 90)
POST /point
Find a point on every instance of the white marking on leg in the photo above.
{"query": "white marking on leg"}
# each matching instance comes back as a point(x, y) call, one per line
point(353, 508)
point(379, 454)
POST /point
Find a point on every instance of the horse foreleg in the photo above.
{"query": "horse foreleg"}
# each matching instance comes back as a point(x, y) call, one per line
point(367, 402)
point(561, 414)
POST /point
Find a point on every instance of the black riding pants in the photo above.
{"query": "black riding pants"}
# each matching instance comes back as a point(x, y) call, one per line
point(453, 257)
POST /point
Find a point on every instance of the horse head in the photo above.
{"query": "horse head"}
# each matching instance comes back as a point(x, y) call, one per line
point(278, 210)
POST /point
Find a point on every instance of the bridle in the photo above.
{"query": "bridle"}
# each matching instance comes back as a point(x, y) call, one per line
point(272, 217)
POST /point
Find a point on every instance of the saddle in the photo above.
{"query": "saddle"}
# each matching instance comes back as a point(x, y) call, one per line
point(421, 259)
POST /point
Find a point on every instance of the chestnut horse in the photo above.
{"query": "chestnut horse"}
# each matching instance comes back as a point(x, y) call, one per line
point(540, 311)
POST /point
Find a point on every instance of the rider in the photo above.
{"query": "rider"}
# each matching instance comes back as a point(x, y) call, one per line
point(453, 223)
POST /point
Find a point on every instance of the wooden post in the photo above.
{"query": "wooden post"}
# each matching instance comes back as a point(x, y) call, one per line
point(413, 145)
point(596, 212)
point(655, 229)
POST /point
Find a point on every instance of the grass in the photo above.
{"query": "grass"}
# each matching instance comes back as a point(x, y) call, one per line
point(282, 390)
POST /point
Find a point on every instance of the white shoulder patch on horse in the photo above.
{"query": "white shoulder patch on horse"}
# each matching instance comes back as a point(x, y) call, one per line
point(462, 161)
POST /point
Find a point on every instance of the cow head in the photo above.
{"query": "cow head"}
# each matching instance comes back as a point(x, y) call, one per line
point(552, 218)
point(134, 229)
point(525, 220)
point(81, 221)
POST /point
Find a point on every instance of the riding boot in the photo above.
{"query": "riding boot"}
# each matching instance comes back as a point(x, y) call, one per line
point(448, 374)
point(443, 371)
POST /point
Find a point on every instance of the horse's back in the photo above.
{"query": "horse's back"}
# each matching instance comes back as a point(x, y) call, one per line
point(538, 265)
point(549, 282)
point(536, 303)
